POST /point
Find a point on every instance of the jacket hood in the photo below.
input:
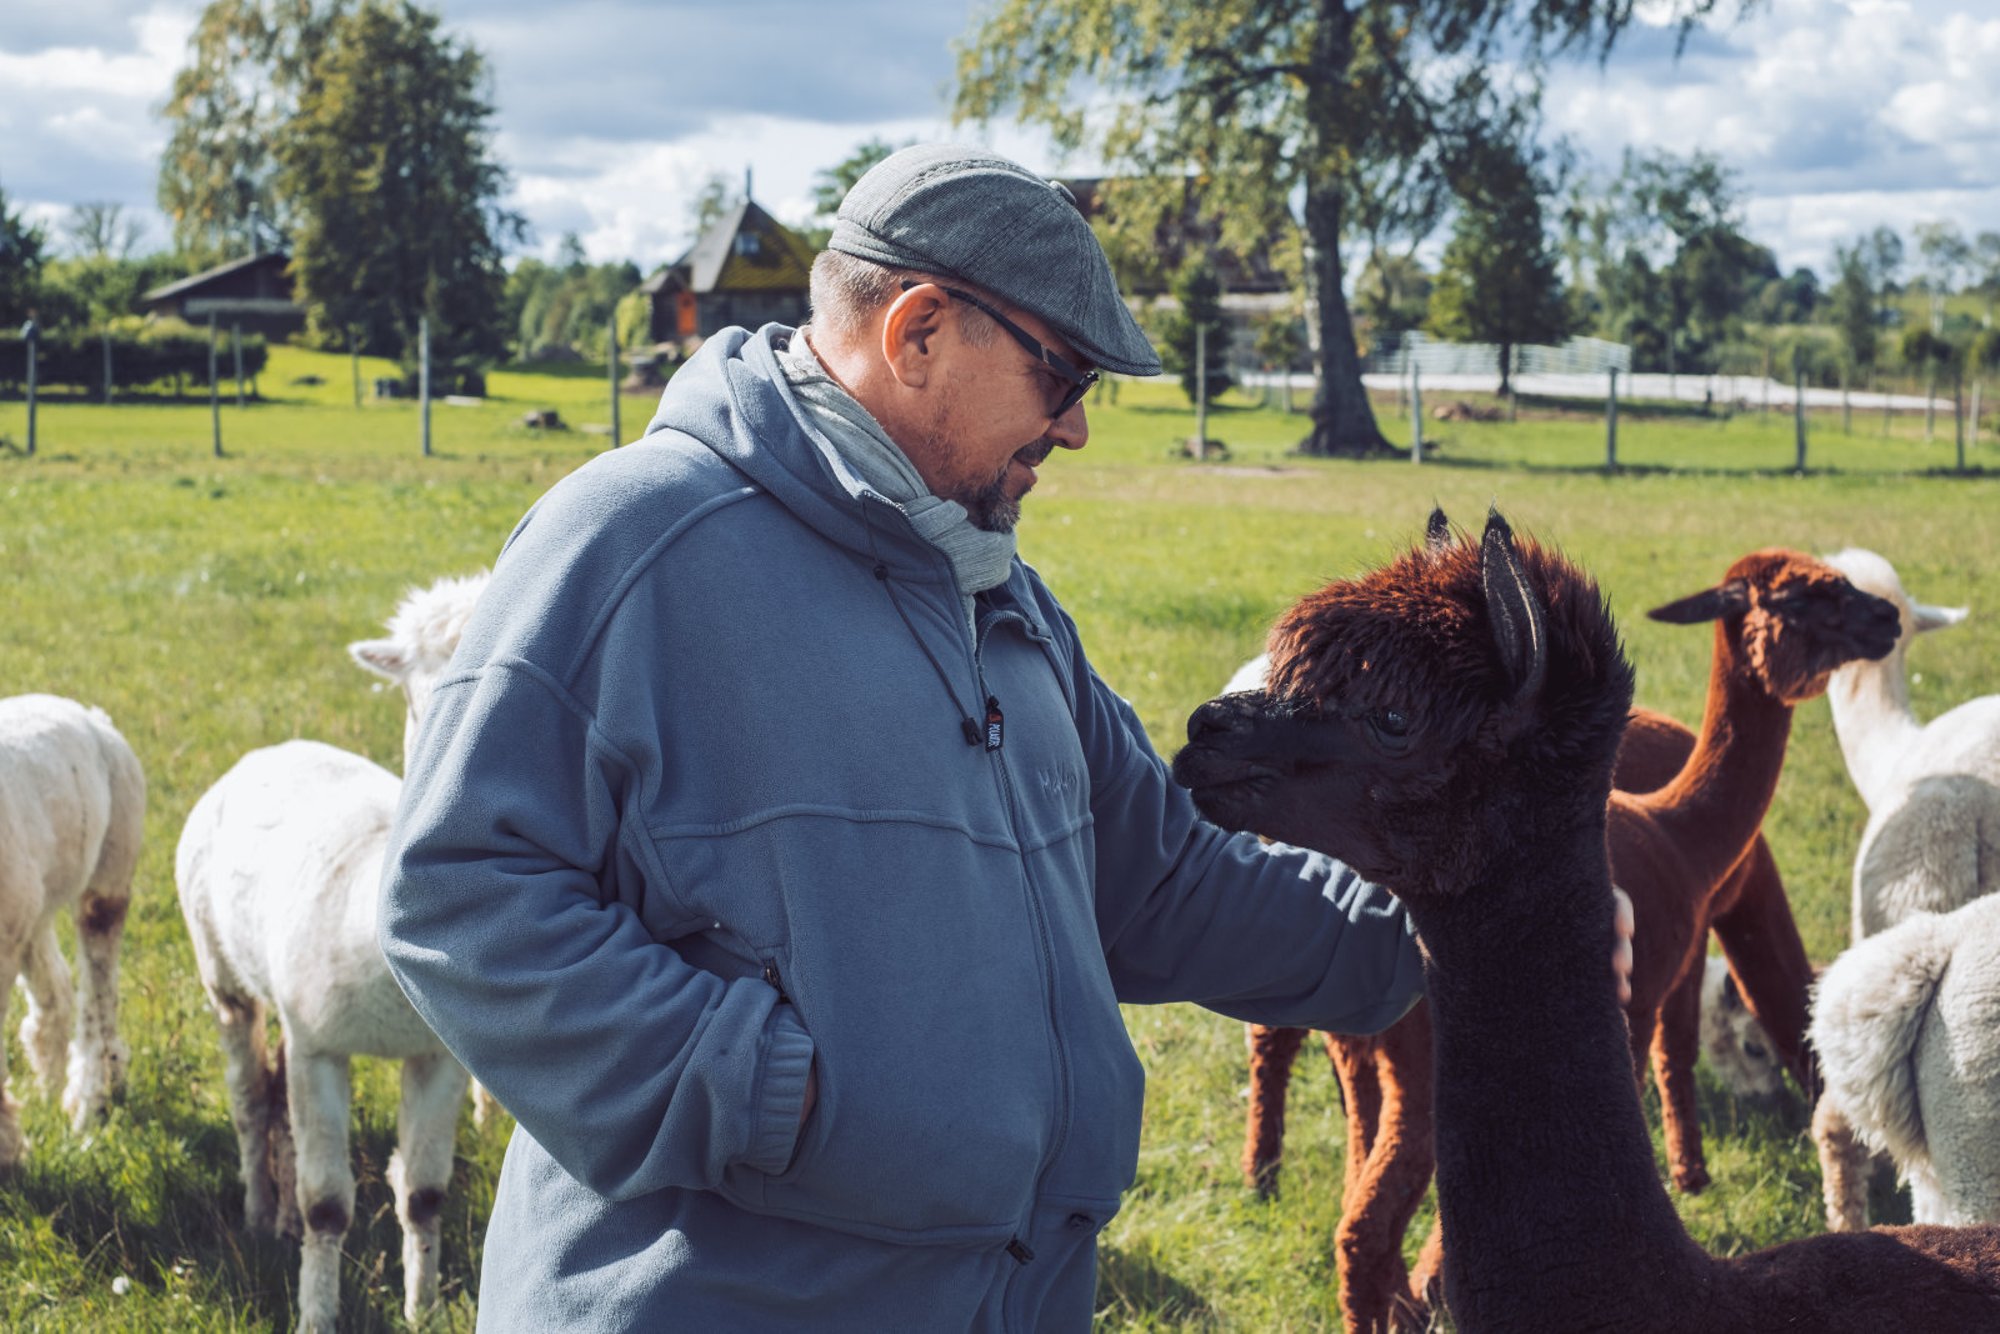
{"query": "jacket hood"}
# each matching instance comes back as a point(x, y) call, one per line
point(732, 396)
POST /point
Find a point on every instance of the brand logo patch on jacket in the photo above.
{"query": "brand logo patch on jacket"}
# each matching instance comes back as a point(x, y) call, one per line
point(1059, 782)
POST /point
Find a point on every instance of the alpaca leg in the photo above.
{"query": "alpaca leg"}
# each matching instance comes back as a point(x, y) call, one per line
point(420, 1170)
point(51, 1004)
point(1272, 1051)
point(246, 1075)
point(1383, 1194)
point(1418, 1313)
point(1768, 960)
point(13, 1145)
point(281, 1159)
point(98, 1058)
point(1843, 1169)
point(321, 1096)
point(1676, 1043)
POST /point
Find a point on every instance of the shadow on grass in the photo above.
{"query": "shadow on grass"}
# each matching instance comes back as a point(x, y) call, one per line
point(1144, 1293)
point(155, 1195)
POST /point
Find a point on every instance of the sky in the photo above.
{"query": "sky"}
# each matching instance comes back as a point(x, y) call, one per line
point(1837, 116)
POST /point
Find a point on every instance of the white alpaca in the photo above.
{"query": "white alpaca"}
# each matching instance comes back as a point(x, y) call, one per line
point(1933, 839)
point(1932, 842)
point(1737, 1046)
point(72, 814)
point(278, 868)
point(1907, 1026)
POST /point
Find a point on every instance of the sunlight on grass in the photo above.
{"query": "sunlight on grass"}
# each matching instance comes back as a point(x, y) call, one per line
point(205, 604)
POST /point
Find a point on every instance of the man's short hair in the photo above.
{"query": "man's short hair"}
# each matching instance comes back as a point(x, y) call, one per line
point(847, 291)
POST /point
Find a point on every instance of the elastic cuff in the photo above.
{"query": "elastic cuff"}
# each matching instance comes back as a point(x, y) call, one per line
point(787, 1064)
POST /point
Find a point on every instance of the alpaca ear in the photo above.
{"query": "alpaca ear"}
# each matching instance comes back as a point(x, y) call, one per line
point(1936, 618)
point(1518, 630)
point(1437, 532)
point(1711, 604)
point(384, 657)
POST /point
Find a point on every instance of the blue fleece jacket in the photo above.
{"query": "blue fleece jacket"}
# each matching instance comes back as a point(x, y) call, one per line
point(693, 811)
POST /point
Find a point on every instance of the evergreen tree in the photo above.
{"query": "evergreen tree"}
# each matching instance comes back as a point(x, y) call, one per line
point(1497, 282)
point(20, 265)
point(1198, 291)
point(1852, 307)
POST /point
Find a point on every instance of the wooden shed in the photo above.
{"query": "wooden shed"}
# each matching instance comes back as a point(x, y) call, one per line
point(256, 293)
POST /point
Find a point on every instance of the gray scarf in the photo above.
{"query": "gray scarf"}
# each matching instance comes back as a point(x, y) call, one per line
point(979, 559)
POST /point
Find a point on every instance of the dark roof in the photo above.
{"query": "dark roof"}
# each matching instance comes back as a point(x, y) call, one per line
point(1176, 237)
point(783, 261)
point(206, 276)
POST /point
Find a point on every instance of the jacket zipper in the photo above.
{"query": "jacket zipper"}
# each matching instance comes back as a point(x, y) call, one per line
point(1046, 939)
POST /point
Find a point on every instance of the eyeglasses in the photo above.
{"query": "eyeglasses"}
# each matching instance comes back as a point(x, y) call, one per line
point(1079, 381)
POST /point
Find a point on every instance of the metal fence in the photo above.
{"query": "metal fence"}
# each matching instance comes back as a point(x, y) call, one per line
point(1578, 356)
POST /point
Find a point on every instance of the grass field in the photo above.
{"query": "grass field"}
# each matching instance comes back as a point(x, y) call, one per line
point(205, 603)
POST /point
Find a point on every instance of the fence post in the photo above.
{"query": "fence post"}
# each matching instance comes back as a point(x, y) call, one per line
point(214, 402)
point(1799, 405)
point(1611, 424)
point(1885, 410)
point(1930, 406)
point(424, 377)
point(31, 338)
point(1201, 391)
point(1958, 416)
point(1846, 405)
point(1416, 415)
point(617, 435)
point(236, 346)
point(1976, 383)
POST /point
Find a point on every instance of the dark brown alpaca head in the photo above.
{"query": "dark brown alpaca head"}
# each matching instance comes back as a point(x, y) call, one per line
point(1417, 716)
point(1795, 618)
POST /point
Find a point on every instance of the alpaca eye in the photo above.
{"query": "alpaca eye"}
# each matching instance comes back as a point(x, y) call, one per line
point(1754, 1051)
point(1391, 728)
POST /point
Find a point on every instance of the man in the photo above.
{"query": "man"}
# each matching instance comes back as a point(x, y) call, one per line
point(773, 854)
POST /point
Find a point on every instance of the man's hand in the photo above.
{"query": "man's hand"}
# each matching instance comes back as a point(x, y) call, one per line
point(1624, 924)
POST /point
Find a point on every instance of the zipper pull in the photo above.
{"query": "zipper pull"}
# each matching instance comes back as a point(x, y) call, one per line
point(1019, 1250)
point(995, 723)
point(772, 980)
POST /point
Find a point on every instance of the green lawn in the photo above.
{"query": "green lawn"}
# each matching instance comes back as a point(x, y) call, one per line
point(205, 604)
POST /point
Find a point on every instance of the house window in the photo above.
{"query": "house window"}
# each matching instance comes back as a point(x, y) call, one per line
point(747, 243)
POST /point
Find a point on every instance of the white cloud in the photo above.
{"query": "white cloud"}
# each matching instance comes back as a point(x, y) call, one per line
point(1836, 115)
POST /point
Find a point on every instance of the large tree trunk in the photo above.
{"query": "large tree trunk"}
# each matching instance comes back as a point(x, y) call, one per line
point(1343, 419)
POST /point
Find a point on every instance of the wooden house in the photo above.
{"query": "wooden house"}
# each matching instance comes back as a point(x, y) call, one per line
point(256, 293)
point(748, 269)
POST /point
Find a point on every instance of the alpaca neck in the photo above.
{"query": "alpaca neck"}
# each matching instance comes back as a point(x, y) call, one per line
point(1874, 721)
point(1542, 1148)
point(1715, 805)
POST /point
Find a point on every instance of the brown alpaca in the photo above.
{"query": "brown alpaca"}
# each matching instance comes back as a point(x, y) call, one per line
point(1448, 726)
point(1685, 846)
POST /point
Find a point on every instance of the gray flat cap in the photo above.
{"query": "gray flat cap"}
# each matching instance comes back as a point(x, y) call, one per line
point(967, 213)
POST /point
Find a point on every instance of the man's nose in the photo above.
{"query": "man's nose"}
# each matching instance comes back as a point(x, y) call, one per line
point(1071, 430)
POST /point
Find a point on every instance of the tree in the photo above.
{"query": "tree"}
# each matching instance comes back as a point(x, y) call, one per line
point(1947, 255)
point(1360, 108)
point(1664, 244)
point(1392, 293)
point(831, 184)
point(387, 169)
point(100, 229)
point(20, 265)
point(226, 115)
point(1497, 282)
point(1853, 304)
point(712, 202)
point(1198, 293)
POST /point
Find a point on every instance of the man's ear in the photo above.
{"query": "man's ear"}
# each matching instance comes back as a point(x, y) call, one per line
point(915, 318)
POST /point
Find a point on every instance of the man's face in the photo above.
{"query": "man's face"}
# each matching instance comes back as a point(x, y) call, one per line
point(990, 428)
